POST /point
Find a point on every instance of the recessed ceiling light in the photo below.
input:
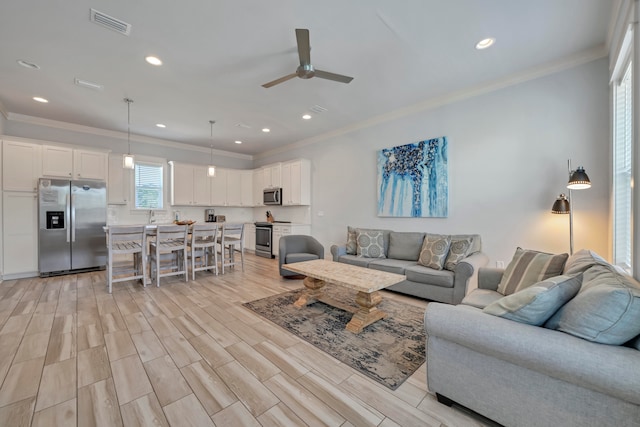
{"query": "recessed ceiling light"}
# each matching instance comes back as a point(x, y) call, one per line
point(238, 142)
point(153, 60)
point(39, 99)
point(306, 117)
point(160, 125)
point(266, 130)
point(29, 65)
point(485, 43)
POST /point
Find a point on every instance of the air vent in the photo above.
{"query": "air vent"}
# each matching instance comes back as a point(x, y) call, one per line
point(88, 84)
point(243, 126)
point(110, 22)
point(318, 109)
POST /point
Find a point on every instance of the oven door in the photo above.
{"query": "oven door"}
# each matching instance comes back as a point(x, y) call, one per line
point(263, 241)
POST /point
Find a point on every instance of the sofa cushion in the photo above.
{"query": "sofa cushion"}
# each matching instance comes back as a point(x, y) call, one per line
point(299, 257)
point(537, 303)
point(528, 267)
point(480, 298)
point(391, 265)
point(458, 250)
point(606, 310)
point(580, 261)
point(405, 245)
point(371, 244)
point(355, 260)
point(434, 250)
point(422, 274)
point(352, 237)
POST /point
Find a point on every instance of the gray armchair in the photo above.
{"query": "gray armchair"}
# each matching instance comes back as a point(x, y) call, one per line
point(298, 248)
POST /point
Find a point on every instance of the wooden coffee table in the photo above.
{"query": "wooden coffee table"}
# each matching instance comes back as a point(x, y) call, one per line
point(364, 280)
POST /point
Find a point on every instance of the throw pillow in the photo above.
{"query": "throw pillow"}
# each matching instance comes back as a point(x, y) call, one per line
point(606, 310)
point(370, 244)
point(434, 250)
point(405, 245)
point(352, 236)
point(580, 261)
point(529, 267)
point(537, 303)
point(458, 251)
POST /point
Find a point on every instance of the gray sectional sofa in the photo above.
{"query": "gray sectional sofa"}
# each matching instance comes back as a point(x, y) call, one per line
point(401, 254)
point(519, 374)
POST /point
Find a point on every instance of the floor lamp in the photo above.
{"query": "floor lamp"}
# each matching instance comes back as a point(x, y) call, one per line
point(578, 180)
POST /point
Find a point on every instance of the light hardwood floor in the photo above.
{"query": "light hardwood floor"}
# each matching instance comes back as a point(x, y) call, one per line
point(182, 354)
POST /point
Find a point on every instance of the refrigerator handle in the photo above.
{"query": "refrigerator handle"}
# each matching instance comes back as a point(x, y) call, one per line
point(67, 214)
point(73, 218)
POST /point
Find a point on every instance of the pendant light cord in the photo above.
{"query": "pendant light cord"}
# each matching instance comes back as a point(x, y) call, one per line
point(211, 144)
point(128, 101)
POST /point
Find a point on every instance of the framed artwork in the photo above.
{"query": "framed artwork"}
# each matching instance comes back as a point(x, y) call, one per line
point(413, 180)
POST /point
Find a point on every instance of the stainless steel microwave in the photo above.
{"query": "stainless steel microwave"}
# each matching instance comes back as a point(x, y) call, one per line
point(272, 196)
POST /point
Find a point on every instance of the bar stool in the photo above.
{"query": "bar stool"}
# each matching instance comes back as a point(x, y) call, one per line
point(202, 247)
point(231, 240)
point(170, 246)
point(126, 240)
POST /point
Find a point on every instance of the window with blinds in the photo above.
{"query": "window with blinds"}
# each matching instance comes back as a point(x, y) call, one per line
point(148, 186)
point(622, 161)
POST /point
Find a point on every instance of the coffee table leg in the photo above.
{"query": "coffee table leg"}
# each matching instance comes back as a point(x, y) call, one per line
point(368, 312)
point(312, 292)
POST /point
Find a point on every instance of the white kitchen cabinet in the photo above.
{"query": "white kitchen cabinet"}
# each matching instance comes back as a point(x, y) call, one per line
point(20, 233)
point(281, 230)
point(219, 188)
point(190, 185)
point(250, 236)
point(246, 188)
point(234, 188)
point(296, 183)
point(119, 182)
point(90, 165)
point(21, 166)
point(258, 187)
point(57, 161)
point(272, 176)
point(201, 186)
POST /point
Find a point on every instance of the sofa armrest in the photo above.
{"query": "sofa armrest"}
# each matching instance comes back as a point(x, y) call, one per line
point(600, 367)
point(489, 278)
point(338, 250)
point(464, 271)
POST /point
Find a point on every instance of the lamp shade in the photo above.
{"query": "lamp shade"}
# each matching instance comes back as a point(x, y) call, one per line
point(578, 180)
point(561, 205)
point(211, 171)
point(128, 161)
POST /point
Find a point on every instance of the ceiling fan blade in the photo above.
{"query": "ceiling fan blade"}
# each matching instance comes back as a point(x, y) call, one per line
point(332, 76)
point(280, 80)
point(304, 49)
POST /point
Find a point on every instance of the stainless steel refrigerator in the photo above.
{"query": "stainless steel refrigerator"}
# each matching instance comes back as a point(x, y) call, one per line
point(71, 217)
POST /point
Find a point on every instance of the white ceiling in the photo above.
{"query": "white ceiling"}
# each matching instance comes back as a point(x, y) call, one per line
point(217, 54)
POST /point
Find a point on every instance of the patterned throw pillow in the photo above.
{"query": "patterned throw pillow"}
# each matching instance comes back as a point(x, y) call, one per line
point(434, 250)
point(352, 245)
point(529, 267)
point(371, 244)
point(458, 251)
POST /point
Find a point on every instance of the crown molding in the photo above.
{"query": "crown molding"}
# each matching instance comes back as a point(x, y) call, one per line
point(72, 127)
point(514, 79)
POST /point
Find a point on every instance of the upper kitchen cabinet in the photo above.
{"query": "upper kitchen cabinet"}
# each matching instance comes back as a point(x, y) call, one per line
point(119, 183)
point(219, 188)
point(239, 188)
point(296, 183)
point(65, 162)
point(190, 185)
point(21, 166)
point(258, 187)
point(272, 176)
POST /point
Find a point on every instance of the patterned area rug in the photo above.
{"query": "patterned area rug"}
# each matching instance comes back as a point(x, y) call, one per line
point(388, 351)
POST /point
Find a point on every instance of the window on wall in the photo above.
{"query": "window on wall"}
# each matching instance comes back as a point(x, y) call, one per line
point(148, 185)
point(622, 169)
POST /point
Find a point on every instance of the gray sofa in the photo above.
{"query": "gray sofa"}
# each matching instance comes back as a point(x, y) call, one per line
point(401, 253)
point(523, 375)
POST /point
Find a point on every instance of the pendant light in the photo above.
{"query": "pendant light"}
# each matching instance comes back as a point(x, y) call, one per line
point(128, 160)
point(211, 169)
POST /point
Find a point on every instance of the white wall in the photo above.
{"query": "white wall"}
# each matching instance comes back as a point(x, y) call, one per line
point(508, 154)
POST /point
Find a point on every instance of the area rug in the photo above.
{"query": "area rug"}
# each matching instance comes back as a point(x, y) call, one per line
point(388, 351)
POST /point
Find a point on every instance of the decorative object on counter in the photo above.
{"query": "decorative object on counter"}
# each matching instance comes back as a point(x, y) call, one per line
point(211, 169)
point(270, 217)
point(413, 180)
point(578, 180)
point(184, 222)
point(128, 161)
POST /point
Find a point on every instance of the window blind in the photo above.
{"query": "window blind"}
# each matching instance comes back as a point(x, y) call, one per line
point(148, 186)
point(622, 161)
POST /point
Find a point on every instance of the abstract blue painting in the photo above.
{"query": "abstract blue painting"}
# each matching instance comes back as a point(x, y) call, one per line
point(413, 180)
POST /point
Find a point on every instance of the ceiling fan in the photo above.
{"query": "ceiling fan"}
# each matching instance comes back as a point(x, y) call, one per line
point(306, 70)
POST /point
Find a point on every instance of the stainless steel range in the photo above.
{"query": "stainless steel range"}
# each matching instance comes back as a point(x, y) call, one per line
point(264, 233)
